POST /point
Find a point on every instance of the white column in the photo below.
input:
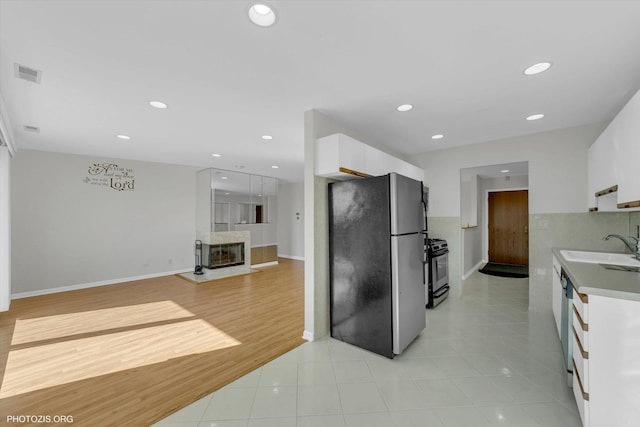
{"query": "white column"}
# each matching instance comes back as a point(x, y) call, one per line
point(309, 227)
point(5, 230)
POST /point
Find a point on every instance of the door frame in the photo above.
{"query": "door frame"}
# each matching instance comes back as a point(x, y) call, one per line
point(485, 225)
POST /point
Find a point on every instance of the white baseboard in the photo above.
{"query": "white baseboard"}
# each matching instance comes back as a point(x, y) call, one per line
point(473, 269)
point(298, 258)
point(95, 284)
point(306, 335)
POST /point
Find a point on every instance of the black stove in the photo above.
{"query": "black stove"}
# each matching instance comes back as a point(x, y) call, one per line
point(437, 288)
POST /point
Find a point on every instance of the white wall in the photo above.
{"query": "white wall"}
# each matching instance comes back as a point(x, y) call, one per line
point(70, 233)
point(291, 220)
point(472, 250)
point(204, 204)
point(468, 198)
point(557, 169)
point(557, 185)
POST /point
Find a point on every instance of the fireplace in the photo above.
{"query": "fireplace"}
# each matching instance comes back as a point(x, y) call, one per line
point(222, 255)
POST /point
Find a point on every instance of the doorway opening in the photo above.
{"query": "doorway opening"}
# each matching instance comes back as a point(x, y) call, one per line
point(504, 238)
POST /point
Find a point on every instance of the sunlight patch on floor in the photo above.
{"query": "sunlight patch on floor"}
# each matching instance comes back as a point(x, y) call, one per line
point(49, 365)
point(82, 322)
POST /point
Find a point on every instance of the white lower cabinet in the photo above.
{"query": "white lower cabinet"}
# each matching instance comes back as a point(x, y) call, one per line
point(606, 360)
point(582, 403)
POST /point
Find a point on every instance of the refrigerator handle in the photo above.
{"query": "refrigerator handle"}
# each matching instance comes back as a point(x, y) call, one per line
point(424, 214)
point(425, 253)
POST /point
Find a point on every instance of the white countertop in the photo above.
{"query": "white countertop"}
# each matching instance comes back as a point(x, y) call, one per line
point(594, 279)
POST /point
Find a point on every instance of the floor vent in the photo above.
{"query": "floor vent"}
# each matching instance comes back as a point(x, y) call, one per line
point(32, 128)
point(29, 74)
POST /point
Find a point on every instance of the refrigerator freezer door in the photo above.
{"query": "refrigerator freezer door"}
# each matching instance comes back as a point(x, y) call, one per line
point(407, 211)
point(408, 289)
point(360, 264)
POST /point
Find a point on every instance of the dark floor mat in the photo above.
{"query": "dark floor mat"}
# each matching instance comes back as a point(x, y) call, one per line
point(506, 270)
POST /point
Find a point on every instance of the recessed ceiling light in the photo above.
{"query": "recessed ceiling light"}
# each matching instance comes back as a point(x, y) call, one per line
point(267, 137)
point(274, 167)
point(535, 117)
point(223, 177)
point(404, 107)
point(262, 15)
point(123, 136)
point(438, 136)
point(158, 104)
point(537, 68)
point(216, 155)
point(226, 194)
point(504, 170)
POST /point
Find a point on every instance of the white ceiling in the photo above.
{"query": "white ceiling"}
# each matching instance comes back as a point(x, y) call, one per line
point(495, 171)
point(227, 81)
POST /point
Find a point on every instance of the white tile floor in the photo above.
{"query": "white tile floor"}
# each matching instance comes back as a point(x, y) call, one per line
point(485, 359)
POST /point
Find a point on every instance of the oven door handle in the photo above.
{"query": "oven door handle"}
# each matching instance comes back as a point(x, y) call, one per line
point(443, 290)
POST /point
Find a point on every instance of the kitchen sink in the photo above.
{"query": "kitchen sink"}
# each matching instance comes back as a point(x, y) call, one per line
point(600, 258)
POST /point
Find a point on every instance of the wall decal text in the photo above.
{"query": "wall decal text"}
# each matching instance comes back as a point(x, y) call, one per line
point(110, 175)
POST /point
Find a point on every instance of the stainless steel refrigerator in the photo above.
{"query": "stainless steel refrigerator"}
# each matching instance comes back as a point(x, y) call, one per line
point(377, 235)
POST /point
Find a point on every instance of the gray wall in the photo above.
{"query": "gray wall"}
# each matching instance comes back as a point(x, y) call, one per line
point(70, 233)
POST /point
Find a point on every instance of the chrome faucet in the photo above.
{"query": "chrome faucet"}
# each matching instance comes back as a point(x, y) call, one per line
point(635, 251)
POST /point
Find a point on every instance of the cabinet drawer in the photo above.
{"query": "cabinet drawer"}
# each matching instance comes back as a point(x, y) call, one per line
point(580, 364)
point(581, 329)
point(582, 403)
point(581, 303)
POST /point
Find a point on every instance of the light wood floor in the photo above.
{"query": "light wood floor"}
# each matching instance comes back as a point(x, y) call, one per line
point(130, 354)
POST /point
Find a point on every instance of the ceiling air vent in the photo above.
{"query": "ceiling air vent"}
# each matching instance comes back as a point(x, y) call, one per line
point(32, 128)
point(28, 74)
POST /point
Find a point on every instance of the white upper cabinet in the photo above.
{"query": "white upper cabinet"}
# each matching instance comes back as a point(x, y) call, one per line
point(340, 156)
point(614, 172)
point(626, 140)
point(337, 152)
point(376, 161)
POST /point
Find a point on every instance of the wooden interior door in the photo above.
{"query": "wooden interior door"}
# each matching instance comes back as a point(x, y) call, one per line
point(509, 227)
